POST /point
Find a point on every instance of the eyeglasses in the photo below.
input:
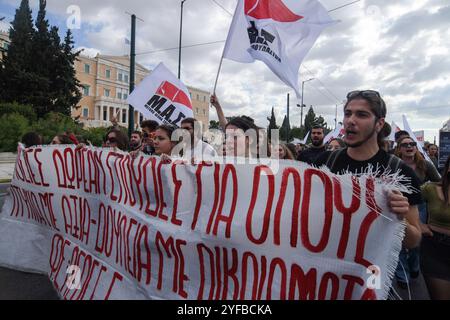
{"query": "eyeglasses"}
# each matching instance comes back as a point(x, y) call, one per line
point(408, 144)
point(111, 140)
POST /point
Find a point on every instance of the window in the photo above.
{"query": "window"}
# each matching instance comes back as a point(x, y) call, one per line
point(105, 114)
point(85, 112)
point(198, 97)
point(204, 112)
point(204, 98)
point(86, 90)
point(124, 116)
point(108, 73)
point(107, 92)
point(126, 78)
point(125, 96)
point(119, 95)
point(120, 77)
point(196, 110)
point(87, 68)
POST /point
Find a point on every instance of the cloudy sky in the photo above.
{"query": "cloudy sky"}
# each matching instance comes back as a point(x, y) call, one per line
point(399, 48)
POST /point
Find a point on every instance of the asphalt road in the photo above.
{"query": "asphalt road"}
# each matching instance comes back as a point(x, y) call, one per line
point(15, 285)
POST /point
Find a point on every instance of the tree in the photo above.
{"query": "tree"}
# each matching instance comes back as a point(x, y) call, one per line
point(39, 69)
point(285, 127)
point(17, 79)
point(272, 124)
point(67, 86)
point(13, 127)
point(311, 120)
point(213, 124)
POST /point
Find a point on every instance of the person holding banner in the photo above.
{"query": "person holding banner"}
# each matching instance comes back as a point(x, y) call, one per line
point(115, 138)
point(364, 118)
point(335, 144)
point(425, 171)
point(242, 138)
point(282, 152)
point(435, 246)
point(196, 147)
point(162, 140)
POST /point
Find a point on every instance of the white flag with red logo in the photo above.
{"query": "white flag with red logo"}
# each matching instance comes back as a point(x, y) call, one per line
point(394, 128)
point(338, 132)
point(278, 32)
point(162, 97)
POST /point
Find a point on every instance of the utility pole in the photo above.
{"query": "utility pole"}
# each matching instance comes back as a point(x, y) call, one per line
point(335, 118)
point(288, 123)
point(302, 105)
point(132, 72)
point(181, 34)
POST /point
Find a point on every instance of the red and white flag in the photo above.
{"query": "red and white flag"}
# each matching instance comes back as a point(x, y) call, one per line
point(161, 96)
point(394, 128)
point(338, 132)
point(278, 32)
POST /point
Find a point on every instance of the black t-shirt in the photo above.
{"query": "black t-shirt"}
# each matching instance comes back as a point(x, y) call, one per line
point(379, 162)
point(310, 155)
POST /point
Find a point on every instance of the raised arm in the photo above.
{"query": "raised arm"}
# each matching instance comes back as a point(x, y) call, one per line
point(215, 102)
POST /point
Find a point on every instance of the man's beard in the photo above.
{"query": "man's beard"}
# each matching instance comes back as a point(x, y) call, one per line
point(317, 143)
point(134, 145)
point(364, 140)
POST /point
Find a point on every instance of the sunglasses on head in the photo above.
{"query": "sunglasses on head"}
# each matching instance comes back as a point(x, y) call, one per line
point(364, 93)
point(408, 144)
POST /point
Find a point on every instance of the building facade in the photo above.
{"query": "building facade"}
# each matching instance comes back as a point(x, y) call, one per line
point(4, 44)
point(105, 89)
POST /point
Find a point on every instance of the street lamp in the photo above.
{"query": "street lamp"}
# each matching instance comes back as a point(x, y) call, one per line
point(181, 33)
point(302, 105)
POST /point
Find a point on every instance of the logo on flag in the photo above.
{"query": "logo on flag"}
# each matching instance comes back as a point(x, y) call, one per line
point(275, 33)
point(270, 9)
point(162, 97)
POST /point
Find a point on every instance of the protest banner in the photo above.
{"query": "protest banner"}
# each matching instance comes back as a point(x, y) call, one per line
point(420, 135)
point(162, 97)
point(444, 148)
point(103, 225)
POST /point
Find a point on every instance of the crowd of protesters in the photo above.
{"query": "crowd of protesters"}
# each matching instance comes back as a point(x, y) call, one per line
point(426, 246)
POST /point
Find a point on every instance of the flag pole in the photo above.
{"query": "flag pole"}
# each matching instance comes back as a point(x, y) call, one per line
point(218, 72)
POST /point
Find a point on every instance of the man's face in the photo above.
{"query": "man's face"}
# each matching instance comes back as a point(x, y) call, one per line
point(360, 124)
point(317, 137)
point(135, 139)
point(188, 127)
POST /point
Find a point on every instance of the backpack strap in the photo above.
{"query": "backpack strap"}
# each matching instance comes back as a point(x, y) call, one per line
point(332, 158)
point(394, 163)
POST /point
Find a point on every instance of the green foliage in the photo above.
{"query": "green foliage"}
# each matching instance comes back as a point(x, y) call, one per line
point(283, 136)
point(56, 123)
point(25, 110)
point(213, 124)
point(13, 127)
point(95, 135)
point(272, 124)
